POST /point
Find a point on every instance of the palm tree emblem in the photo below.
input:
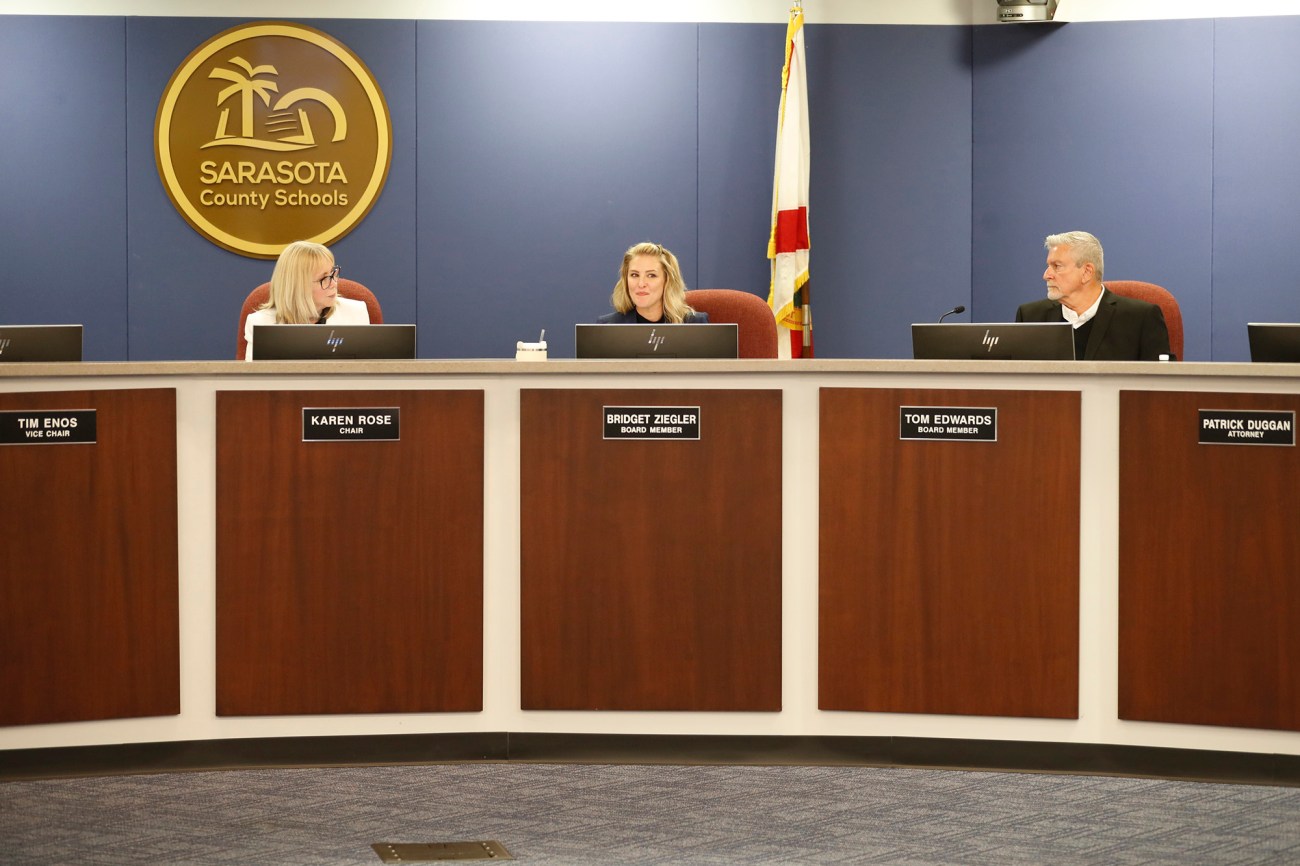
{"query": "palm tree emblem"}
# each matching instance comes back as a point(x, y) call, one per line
point(246, 87)
point(289, 130)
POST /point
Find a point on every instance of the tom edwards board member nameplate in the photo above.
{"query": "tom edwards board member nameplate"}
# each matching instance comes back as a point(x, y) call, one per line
point(48, 427)
point(1246, 427)
point(351, 424)
point(948, 423)
point(651, 422)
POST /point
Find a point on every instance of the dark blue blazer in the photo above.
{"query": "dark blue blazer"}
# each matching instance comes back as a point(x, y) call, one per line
point(1124, 329)
point(629, 318)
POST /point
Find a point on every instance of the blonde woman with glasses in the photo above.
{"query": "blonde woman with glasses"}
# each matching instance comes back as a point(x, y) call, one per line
point(304, 291)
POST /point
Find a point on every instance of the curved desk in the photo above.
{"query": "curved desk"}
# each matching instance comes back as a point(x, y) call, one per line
point(1093, 578)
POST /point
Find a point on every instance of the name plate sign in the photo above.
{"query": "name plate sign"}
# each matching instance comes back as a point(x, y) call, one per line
point(1246, 427)
point(352, 424)
point(651, 422)
point(48, 427)
point(948, 423)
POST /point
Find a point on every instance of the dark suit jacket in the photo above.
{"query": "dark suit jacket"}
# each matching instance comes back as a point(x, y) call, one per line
point(1124, 329)
point(629, 318)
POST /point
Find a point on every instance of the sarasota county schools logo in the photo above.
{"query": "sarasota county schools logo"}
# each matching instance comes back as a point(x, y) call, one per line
point(269, 133)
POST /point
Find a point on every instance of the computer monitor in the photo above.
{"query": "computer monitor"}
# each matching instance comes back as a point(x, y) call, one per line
point(1274, 341)
point(1005, 341)
point(656, 341)
point(333, 342)
point(40, 343)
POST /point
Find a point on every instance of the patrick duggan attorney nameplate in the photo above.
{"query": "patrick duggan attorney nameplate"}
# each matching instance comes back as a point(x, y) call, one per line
point(1245, 427)
point(651, 422)
point(52, 427)
point(948, 423)
point(351, 424)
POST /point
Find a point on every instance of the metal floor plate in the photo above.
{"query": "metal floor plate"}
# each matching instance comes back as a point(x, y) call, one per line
point(431, 852)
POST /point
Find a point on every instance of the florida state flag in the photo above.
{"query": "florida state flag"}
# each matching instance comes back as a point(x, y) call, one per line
point(787, 246)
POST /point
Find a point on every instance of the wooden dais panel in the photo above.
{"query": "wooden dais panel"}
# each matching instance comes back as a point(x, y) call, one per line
point(651, 570)
point(1209, 605)
point(88, 564)
point(349, 574)
point(949, 570)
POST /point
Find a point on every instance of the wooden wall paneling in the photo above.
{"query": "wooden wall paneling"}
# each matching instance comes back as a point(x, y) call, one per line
point(949, 571)
point(349, 574)
point(651, 570)
point(1209, 616)
point(88, 564)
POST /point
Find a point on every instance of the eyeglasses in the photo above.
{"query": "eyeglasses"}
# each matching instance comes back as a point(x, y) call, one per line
point(331, 277)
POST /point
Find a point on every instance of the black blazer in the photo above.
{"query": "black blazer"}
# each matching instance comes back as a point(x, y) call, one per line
point(629, 318)
point(1124, 329)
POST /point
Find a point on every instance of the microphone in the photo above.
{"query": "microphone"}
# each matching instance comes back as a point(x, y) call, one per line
point(960, 308)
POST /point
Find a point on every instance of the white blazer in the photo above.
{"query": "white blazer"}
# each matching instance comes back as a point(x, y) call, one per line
point(349, 312)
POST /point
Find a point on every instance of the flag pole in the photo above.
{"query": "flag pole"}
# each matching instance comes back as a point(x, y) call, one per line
point(805, 297)
point(805, 294)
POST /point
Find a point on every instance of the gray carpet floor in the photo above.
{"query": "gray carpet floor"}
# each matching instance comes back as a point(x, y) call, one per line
point(599, 814)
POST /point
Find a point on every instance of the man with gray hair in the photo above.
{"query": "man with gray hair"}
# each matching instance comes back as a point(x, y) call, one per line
point(1107, 326)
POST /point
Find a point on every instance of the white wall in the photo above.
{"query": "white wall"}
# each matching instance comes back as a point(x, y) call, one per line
point(1136, 10)
point(749, 11)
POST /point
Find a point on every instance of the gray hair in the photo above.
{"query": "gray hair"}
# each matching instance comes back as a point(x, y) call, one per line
point(1086, 249)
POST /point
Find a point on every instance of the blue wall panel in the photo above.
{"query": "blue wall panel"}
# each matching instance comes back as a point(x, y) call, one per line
point(740, 95)
point(1102, 127)
point(545, 151)
point(185, 292)
point(889, 210)
point(1256, 178)
point(63, 177)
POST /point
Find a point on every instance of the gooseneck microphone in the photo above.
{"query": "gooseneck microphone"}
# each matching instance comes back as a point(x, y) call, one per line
point(960, 308)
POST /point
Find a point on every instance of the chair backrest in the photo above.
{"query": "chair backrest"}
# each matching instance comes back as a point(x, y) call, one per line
point(1160, 296)
point(756, 334)
point(347, 288)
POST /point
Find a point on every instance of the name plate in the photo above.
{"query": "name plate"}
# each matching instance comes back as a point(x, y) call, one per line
point(48, 427)
point(651, 422)
point(1245, 427)
point(348, 425)
point(948, 423)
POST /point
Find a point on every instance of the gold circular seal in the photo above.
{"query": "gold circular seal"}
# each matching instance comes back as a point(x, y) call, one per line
point(270, 133)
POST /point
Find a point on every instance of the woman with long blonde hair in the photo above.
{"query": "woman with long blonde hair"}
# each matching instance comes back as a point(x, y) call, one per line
point(650, 289)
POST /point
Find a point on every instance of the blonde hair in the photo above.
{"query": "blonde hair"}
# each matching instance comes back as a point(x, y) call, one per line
point(291, 283)
point(675, 307)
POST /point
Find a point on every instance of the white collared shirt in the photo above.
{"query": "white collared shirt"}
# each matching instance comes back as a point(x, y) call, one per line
point(1077, 319)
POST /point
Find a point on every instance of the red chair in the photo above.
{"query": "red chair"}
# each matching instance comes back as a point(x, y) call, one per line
point(347, 288)
point(1153, 294)
point(756, 334)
